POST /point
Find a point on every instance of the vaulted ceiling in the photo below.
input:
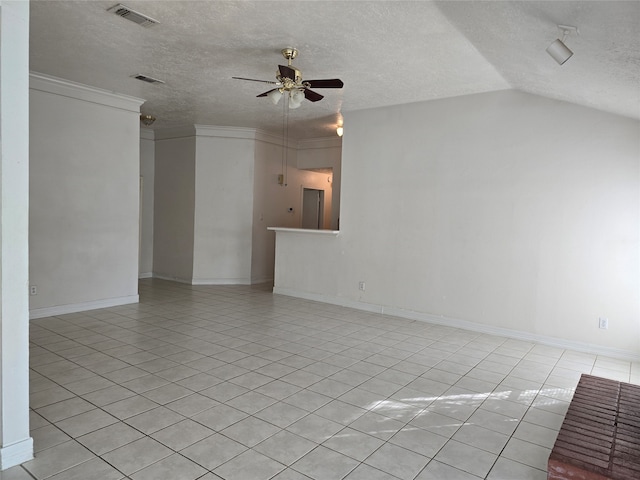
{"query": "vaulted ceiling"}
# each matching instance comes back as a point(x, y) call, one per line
point(386, 52)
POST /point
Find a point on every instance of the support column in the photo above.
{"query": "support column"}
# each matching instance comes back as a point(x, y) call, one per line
point(16, 446)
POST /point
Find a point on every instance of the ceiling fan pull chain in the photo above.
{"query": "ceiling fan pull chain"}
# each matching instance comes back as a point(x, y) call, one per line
point(285, 139)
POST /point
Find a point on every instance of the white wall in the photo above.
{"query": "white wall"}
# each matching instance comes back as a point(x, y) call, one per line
point(272, 200)
point(270, 206)
point(147, 174)
point(322, 153)
point(174, 204)
point(504, 211)
point(216, 192)
point(16, 446)
point(84, 197)
point(224, 205)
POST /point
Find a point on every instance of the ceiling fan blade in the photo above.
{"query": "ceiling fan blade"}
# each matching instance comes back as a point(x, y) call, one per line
point(264, 94)
point(287, 72)
point(327, 83)
point(254, 80)
point(312, 96)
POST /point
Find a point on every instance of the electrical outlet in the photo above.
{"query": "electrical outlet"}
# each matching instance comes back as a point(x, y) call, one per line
point(603, 323)
point(361, 286)
point(33, 290)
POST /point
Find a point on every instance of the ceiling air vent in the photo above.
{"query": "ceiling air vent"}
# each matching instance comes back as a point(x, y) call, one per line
point(136, 17)
point(146, 78)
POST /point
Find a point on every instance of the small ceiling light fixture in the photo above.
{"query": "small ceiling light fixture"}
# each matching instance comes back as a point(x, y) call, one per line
point(275, 96)
point(147, 120)
point(340, 130)
point(558, 50)
point(295, 98)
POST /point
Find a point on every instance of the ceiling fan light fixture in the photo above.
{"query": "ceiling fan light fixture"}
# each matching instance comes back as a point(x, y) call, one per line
point(275, 96)
point(289, 82)
point(295, 98)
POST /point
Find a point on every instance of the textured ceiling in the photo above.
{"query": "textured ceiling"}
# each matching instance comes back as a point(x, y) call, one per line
point(386, 52)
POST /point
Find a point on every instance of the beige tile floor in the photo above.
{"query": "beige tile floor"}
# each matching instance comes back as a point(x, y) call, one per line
point(232, 382)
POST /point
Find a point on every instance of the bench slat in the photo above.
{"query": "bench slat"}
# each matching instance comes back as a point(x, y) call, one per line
point(600, 436)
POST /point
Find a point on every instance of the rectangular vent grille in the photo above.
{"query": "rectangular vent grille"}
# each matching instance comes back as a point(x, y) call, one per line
point(136, 17)
point(146, 78)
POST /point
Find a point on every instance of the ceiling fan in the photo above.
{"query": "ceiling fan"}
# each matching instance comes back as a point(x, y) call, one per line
point(289, 80)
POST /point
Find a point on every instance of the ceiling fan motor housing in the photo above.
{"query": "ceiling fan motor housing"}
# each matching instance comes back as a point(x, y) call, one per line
point(289, 53)
point(289, 83)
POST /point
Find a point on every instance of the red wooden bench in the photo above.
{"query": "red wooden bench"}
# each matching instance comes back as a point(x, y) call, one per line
point(600, 436)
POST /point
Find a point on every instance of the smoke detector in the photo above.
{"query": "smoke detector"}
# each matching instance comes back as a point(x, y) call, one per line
point(130, 14)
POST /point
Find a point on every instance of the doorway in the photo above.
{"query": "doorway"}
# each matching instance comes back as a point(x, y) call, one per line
point(312, 208)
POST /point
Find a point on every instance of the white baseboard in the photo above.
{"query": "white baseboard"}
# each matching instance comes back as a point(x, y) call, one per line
point(340, 301)
point(172, 279)
point(15, 454)
point(81, 307)
point(220, 281)
point(464, 324)
point(145, 275)
point(261, 280)
point(205, 281)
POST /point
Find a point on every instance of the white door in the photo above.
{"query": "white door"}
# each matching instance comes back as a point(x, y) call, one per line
point(312, 203)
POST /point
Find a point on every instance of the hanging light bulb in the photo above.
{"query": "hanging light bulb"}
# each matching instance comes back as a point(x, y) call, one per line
point(340, 131)
point(275, 96)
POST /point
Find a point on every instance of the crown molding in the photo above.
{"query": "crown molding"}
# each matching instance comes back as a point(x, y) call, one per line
point(204, 131)
point(147, 134)
point(174, 132)
point(275, 139)
point(244, 133)
point(225, 132)
point(79, 91)
point(321, 142)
